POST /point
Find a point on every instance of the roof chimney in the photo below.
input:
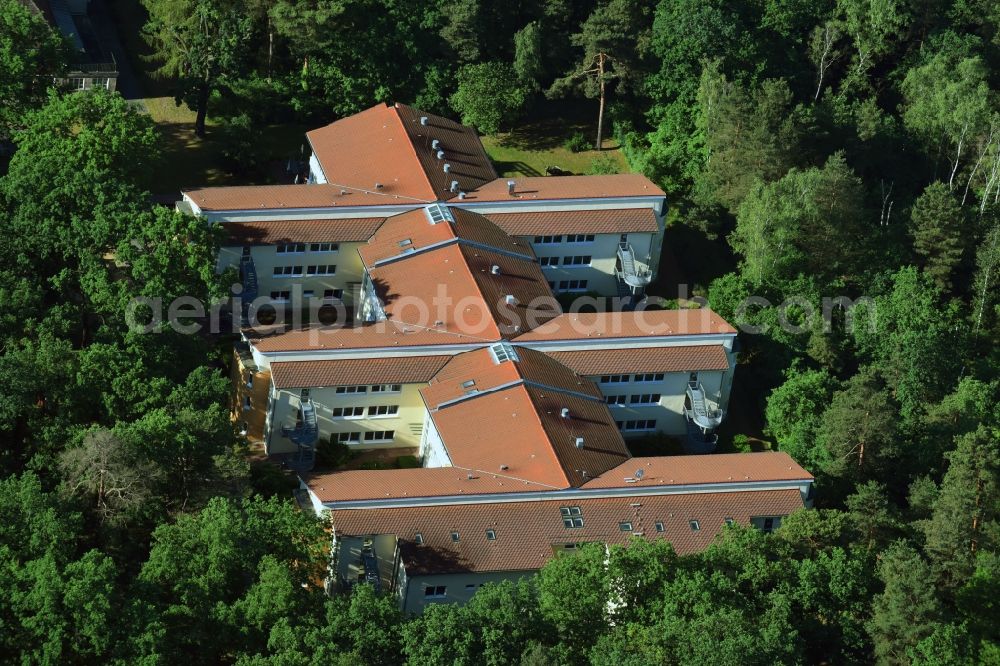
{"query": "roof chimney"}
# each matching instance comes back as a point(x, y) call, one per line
point(510, 300)
point(423, 120)
point(510, 187)
point(495, 269)
point(434, 144)
point(579, 442)
point(564, 412)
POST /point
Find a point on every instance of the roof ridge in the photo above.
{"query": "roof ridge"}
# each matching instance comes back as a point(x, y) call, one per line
point(479, 290)
point(406, 135)
point(535, 411)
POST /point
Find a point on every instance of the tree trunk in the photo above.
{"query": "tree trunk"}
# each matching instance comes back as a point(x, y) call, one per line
point(600, 112)
point(202, 110)
point(270, 46)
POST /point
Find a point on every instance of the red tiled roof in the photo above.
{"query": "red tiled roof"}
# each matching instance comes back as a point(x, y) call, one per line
point(510, 420)
point(272, 197)
point(273, 232)
point(539, 223)
point(455, 285)
point(636, 324)
point(375, 335)
point(527, 532)
point(375, 484)
point(399, 370)
point(715, 468)
point(537, 188)
point(688, 358)
point(388, 145)
point(412, 231)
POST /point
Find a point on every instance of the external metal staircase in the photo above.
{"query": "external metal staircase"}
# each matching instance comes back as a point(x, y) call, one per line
point(636, 275)
point(703, 417)
point(304, 434)
point(370, 562)
point(248, 276)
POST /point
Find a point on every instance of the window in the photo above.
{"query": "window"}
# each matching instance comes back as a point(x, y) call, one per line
point(405, 242)
point(650, 377)
point(435, 592)
point(580, 238)
point(645, 399)
point(324, 247)
point(639, 424)
point(503, 351)
point(659, 526)
point(380, 435)
point(352, 389)
point(769, 524)
point(308, 293)
point(614, 379)
point(548, 261)
point(287, 271)
point(78, 84)
point(387, 388)
point(548, 240)
point(729, 522)
point(577, 260)
point(348, 437)
point(304, 394)
point(382, 410)
point(491, 535)
point(100, 82)
point(333, 294)
point(693, 377)
point(615, 400)
point(322, 269)
point(625, 526)
point(695, 525)
point(246, 403)
point(454, 537)
point(291, 248)
point(572, 285)
point(572, 517)
point(418, 538)
point(281, 295)
point(348, 412)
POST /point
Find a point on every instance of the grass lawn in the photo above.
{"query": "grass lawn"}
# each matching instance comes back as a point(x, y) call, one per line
point(537, 143)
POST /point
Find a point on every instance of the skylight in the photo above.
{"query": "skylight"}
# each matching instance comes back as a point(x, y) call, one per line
point(503, 351)
point(438, 213)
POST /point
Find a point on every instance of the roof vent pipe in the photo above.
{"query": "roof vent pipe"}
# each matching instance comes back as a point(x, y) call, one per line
point(454, 186)
point(446, 167)
point(510, 187)
point(461, 195)
point(579, 442)
point(510, 300)
point(495, 269)
point(423, 120)
point(434, 144)
point(564, 412)
point(440, 154)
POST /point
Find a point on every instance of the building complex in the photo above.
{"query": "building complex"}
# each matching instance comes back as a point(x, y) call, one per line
point(452, 343)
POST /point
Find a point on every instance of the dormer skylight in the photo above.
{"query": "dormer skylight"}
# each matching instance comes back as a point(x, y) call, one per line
point(438, 213)
point(503, 351)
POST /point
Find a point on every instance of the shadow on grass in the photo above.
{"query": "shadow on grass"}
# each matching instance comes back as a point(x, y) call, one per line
point(522, 168)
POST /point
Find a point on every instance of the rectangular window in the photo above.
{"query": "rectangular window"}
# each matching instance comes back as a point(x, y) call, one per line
point(572, 516)
point(348, 437)
point(638, 425)
point(650, 377)
point(281, 295)
point(695, 525)
point(769, 525)
point(287, 271)
point(380, 435)
point(291, 248)
point(645, 399)
point(491, 535)
point(548, 261)
point(729, 522)
point(615, 400)
point(382, 411)
point(435, 592)
point(100, 82)
point(614, 379)
point(322, 269)
point(324, 247)
point(577, 260)
point(454, 537)
point(352, 389)
point(548, 240)
point(387, 388)
point(572, 285)
point(348, 412)
point(625, 527)
point(333, 294)
point(78, 84)
point(580, 238)
point(418, 538)
point(246, 403)
point(659, 526)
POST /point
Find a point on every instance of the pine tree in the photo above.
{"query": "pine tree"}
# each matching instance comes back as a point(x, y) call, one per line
point(937, 226)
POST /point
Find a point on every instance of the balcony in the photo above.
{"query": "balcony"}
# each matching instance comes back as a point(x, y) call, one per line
point(703, 417)
point(636, 274)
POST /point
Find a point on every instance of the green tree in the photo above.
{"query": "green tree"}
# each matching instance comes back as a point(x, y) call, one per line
point(31, 54)
point(939, 232)
point(872, 521)
point(529, 55)
point(490, 96)
point(201, 43)
point(907, 611)
point(573, 593)
point(794, 412)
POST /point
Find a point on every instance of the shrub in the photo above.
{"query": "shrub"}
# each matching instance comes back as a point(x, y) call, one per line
point(603, 164)
point(741, 443)
point(577, 143)
point(331, 453)
point(407, 462)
